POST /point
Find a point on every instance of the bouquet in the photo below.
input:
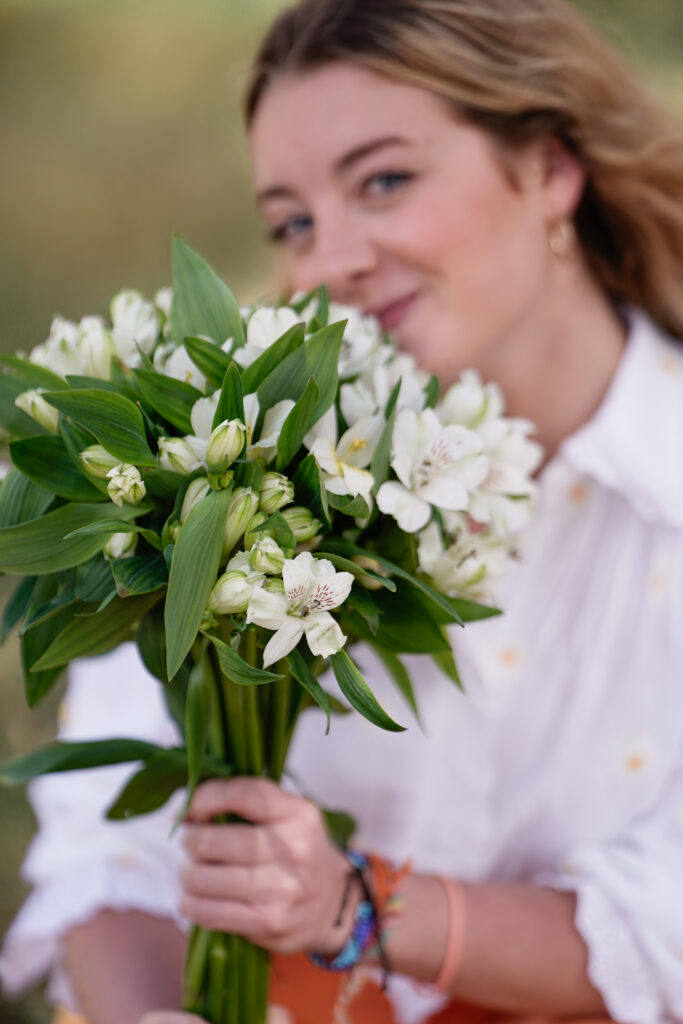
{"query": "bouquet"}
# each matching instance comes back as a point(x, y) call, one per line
point(246, 493)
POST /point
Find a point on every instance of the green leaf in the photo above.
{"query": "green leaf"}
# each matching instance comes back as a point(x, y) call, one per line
point(230, 401)
point(299, 421)
point(197, 709)
point(446, 662)
point(114, 420)
point(379, 467)
point(89, 635)
point(196, 558)
point(151, 641)
point(340, 825)
point(202, 303)
point(150, 788)
point(94, 580)
point(431, 391)
point(139, 574)
point(318, 357)
point(358, 693)
point(400, 676)
point(17, 606)
point(349, 505)
point(407, 625)
point(471, 611)
point(123, 387)
point(171, 399)
point(304, 677)
point(277, 527)
point(254, 375)
point(105, 528)
point(209, 359)
point(21, 501)
point(46, 462)
point(163, 483)
point(310, 491)
point(36, 639)
point(237, 669)
point(30, 375)
point(39, 546)
point(67, 757)
point(358, 571)
point(362, 603)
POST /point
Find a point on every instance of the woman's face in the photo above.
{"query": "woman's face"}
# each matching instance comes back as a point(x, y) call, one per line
point(373, 187)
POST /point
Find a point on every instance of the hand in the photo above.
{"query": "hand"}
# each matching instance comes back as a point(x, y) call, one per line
point(278, 882)
point(276, 1015)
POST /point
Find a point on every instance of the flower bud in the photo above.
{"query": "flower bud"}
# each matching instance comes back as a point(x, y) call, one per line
point(276, 491)
point(196, 490)
point(225, 444)
point(252, 532)
point(120, 545)
point(177, 455)
point(231, 594)
point(220, 479)
point(367, 562)
point(98, 461)
point(125, 484)
point(274, 585)
point(301, 522)
point(266, 556)
point(242, 507)
point(33, 403)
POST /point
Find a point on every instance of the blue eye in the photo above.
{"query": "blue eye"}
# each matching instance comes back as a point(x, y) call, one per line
point(387, 181)
point(291, 229)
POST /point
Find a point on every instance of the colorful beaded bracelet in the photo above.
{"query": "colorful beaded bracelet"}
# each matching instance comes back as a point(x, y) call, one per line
point(364, 932)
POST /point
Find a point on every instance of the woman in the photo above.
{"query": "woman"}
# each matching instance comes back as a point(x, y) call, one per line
point(488, 180)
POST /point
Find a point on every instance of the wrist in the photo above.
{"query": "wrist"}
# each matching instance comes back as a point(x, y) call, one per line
point(347, 894)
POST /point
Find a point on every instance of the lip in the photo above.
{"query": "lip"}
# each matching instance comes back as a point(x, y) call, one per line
point(391, 314)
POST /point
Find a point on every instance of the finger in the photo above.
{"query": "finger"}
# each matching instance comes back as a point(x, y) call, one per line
point(231, 844)
point(232, 916)
point(173, 1017)
point(244, 883)
point(254, 799)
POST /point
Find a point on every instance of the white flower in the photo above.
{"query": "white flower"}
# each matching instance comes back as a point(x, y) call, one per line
point(34, 405)
point(265, 449)
point(179, 366)
point(503, 498)
point(435, 465)
point(163, 300)
point(196, 490)
point(135, 325)
point(120, 545)
point(265, 326)
point(471, 565)
point(98, 461)
point(343, 464)
point(371, 392)
point(470, 402)
point(60, 352)
point(312, 588)
point(95, 347)
point(125, 484)
point(362, 339)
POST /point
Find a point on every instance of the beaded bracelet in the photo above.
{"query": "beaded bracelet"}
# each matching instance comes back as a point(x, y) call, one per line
point(364, 932)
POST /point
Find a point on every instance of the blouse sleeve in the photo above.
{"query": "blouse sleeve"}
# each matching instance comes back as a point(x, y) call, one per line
point(79, 863)
point(630, 910)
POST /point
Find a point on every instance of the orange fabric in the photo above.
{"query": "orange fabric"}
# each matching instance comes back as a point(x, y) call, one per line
point(310, 994)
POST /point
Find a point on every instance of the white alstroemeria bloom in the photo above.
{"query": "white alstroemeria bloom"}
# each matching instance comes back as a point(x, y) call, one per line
point(312, 588)
point(179, 366)
point(265, 449)
point(135, 325)
point(265, 326)
point(343, 463)
point(470, 566)
point(372, 391)
point(361, 342)
point(96, 347)
point(504, 498)
point(435, 465)
point(471, 402)
point(163, 300)
point(60, 352)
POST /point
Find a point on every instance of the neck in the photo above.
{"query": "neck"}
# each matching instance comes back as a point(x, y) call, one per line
point(556, 367)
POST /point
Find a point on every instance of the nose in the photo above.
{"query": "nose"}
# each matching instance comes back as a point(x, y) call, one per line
point(342, 257)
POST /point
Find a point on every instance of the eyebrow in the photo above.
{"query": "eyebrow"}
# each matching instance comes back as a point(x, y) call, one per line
point(343, 164)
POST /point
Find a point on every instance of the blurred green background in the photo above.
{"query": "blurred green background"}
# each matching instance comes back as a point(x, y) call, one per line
point(120, 123)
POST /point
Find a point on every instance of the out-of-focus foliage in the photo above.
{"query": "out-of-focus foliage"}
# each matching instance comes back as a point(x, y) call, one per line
point(120, 123)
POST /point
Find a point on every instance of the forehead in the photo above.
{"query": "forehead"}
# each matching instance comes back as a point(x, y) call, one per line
point(313, 118)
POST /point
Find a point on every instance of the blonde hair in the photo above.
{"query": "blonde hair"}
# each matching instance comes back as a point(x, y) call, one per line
point(522, 70)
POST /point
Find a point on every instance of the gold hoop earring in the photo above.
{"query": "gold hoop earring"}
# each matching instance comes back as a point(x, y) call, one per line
point(561, 237)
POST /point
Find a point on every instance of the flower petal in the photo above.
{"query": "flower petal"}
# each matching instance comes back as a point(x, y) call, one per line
point(410, 512)
point(284, 641)
point(323, 634)
point(202, 415)
point(268, 610)
point(325, 429)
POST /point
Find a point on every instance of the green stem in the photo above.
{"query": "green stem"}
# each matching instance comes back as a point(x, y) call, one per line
point(282, 691)
point(218, 967)
point(195, 970)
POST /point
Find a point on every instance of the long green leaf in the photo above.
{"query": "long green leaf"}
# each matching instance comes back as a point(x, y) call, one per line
point(67, 757)
point(202, 303)
point(358, 693)
point(209, 358)
point(17, 606)
point(197, 710)
point(30, 375)
point(150, 788)
point(139, 574)
point(230, 401)
point(401, 677)
point(105, 528)
point(196, 558)
point(94, 580)
point(237, 669)
point(358, 571)
point(21, 501)
point(39, 546)
point(172, 399)
point(254, 375)
point(379, 466)
point(305, 678)
point(471, 611)
point(36, 639)
point(407, 624)
point(113, 419)
point(318, 357)
point(299, 421)
point(310, 490)
point(46, 462)
point(89, 635)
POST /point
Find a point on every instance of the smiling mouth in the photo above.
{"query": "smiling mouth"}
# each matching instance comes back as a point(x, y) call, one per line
point(392, 314)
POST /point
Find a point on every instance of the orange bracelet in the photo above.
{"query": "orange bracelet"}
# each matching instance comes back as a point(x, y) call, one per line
point(455, 894)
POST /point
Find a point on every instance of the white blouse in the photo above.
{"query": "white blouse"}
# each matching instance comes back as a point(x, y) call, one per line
point(562, 765)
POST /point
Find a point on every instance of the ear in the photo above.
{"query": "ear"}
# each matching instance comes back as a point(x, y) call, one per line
point(561, 180)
